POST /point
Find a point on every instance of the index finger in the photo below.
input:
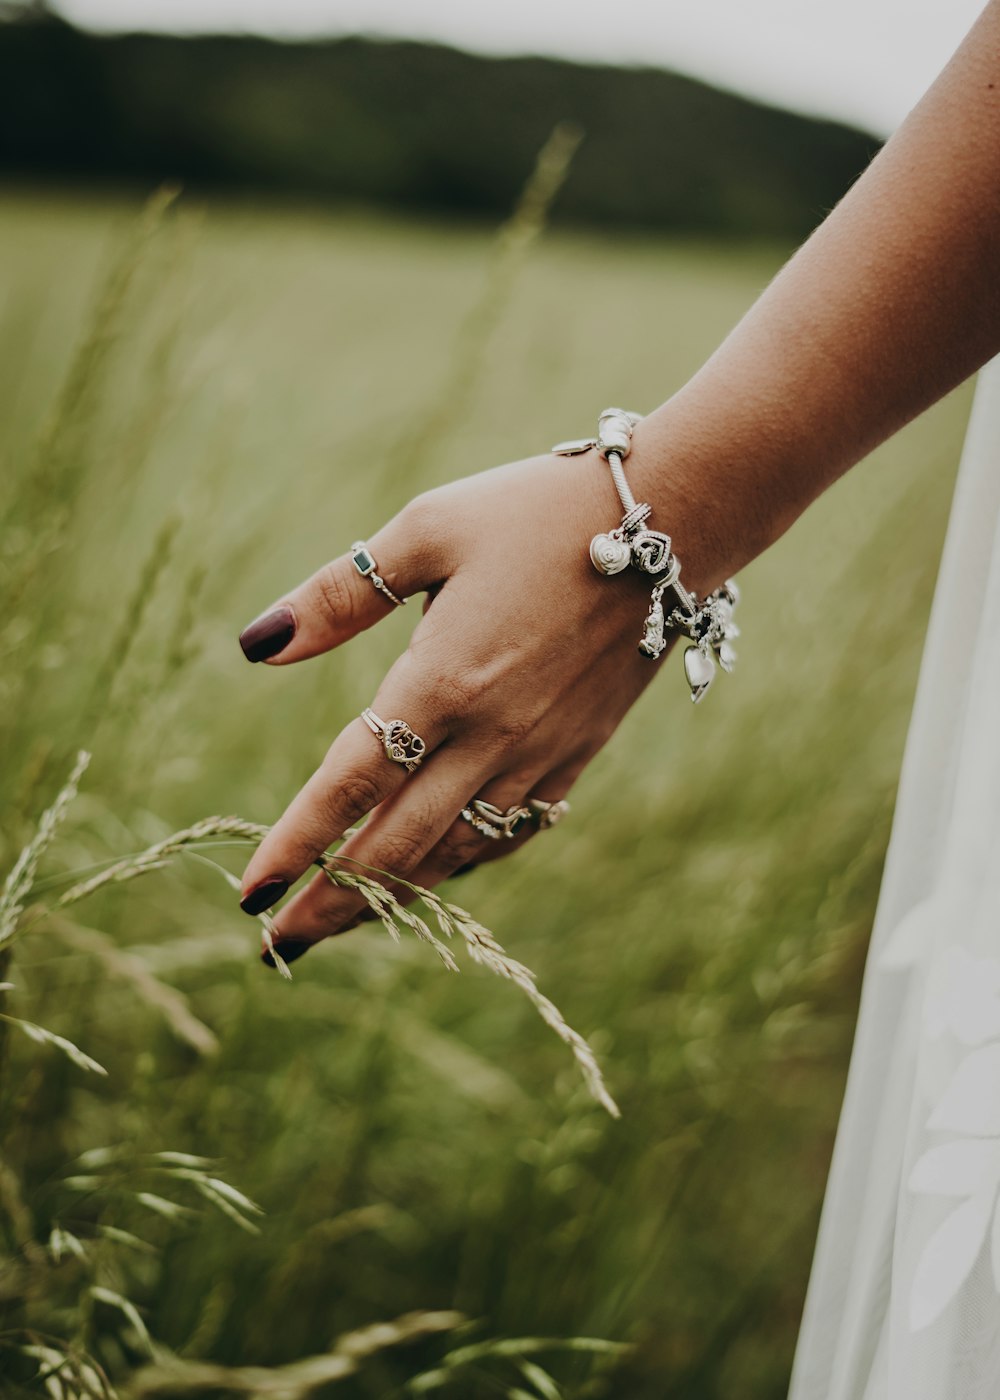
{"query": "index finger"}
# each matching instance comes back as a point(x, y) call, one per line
point(354, 591)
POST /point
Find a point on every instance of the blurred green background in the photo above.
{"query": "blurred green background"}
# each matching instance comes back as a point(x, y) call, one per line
point(202, 403)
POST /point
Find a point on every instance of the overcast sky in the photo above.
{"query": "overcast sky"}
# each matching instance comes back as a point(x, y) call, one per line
point(863, 60)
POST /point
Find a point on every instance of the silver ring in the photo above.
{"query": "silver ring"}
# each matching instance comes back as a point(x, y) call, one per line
point(400, 743)
point(499, 825)
point(546, 814)
point(493, 822)
point(364, 561)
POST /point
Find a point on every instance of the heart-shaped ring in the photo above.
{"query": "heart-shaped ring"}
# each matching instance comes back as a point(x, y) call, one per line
point(399, 741)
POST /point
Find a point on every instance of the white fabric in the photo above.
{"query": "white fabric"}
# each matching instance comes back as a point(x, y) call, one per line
point(904, 1299)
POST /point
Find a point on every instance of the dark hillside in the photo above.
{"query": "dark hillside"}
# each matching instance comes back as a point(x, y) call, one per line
point(412, 125)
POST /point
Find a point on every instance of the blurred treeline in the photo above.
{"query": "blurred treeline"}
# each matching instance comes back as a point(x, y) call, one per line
point(406, 124)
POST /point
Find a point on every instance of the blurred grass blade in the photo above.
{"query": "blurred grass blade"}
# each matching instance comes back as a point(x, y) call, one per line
point(128, 1310)
point(41, 1036)
point(513, 241)
point(129, 968)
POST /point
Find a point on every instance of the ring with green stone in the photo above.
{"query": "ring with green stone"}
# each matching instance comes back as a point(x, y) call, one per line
point(364, 561)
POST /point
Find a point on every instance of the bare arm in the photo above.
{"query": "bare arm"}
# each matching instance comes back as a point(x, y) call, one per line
point(893, 301)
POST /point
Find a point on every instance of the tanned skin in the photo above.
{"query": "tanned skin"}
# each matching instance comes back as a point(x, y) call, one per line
point(516, 683)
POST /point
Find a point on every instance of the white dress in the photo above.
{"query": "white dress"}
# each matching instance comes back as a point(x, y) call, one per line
point(904, 1299)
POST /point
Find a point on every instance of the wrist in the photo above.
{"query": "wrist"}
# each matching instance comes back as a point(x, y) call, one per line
point(701, 492)
point(638, 547)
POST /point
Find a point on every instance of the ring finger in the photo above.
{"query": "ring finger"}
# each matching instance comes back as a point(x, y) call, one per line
point(442, 864)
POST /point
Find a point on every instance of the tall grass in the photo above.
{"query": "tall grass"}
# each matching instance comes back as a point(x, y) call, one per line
point(445, 1208)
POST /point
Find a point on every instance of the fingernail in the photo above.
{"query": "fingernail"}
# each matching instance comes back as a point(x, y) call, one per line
point(288, 948)
point(269, 634)
point(261, 897)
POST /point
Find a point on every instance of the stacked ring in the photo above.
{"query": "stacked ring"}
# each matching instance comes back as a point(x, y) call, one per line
point(493, 822)
point(500, 825)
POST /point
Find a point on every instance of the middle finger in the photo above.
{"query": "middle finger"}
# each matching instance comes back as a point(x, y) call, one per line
point(395, 841)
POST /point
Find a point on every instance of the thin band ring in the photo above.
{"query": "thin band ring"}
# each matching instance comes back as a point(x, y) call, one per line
point(364, 561)
point(399, 741)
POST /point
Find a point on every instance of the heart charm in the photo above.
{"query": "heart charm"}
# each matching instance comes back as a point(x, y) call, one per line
point(608, 555)
point(651, 551)
point(699, 670)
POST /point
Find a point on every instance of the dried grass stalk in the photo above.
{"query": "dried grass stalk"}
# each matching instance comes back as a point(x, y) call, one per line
point(17, 886)
point(173, 1376)
point(155, 857)
point(453, 922)
point(483, 948)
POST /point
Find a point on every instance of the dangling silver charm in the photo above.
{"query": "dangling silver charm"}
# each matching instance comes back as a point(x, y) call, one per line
point(610, 554)
point(653, 639)
point(650, 551)
point(707, 622)
point(699, 668)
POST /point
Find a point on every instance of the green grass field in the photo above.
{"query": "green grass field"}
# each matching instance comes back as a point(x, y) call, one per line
point(178, 449)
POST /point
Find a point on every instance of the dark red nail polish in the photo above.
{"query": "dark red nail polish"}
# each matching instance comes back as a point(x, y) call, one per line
point(263, 896)
point(268, 635)
point(289, 948)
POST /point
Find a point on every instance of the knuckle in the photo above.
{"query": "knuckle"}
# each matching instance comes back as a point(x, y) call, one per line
point(458, 846)
point(310, 840)
point(351, 796)
point(336, 597)
point(512, 729)
point(399, 852)
point(457, 693)
point(425, 514)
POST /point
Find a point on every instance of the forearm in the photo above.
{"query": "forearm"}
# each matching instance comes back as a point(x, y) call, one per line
point(893, 301)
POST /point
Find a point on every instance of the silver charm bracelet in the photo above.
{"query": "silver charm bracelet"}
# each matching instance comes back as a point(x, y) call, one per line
point(709, 622)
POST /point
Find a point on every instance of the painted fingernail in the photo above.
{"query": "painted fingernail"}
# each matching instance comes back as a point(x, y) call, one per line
point(289, 948)
point(268, 635)
point(263, 896)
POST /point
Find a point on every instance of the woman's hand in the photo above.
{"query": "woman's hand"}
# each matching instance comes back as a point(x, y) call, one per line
point(519, 670)
point(526, 659)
